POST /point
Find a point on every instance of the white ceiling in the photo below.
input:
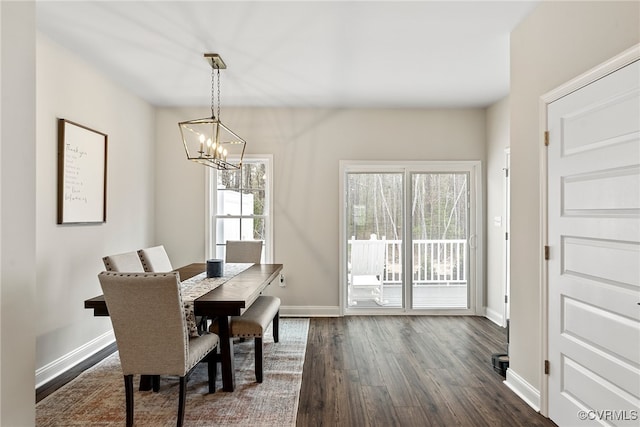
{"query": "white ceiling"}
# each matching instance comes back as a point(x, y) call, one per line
point(296, 53)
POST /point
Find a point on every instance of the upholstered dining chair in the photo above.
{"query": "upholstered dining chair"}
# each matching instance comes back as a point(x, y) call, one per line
point(150, 344)
point(129, 262)
point(243, 251)
point(155, 259)
point(126, 262)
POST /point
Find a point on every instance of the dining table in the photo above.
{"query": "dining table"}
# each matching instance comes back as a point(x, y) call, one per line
point(231, 296)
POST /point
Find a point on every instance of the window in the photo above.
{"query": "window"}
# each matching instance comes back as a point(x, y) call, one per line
point(240, 206)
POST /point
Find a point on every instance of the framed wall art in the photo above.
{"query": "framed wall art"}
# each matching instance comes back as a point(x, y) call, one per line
point(82, 174)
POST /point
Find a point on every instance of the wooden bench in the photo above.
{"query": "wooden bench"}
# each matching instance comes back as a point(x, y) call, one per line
point(252, 324)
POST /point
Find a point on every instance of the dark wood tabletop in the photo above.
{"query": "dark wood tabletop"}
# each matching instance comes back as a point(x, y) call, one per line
point(233, 297)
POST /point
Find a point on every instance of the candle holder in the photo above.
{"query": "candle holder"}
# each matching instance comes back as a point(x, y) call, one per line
point(215, 268)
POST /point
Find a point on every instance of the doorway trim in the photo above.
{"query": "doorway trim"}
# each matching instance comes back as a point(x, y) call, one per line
point(506, 258)
point(619, 61)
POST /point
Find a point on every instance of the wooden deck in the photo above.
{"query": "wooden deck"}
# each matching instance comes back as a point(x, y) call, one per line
point(430, 296)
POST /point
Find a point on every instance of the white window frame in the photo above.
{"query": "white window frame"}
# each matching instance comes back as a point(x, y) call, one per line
point(476, 230)
point(211, 207)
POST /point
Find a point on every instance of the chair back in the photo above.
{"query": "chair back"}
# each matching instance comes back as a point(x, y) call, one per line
point(368, 257)
point(128, 262)
point(148, 343)
point(243, 251)
point(155, 259)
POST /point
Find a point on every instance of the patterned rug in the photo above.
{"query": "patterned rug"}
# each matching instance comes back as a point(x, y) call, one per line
point(96, 397)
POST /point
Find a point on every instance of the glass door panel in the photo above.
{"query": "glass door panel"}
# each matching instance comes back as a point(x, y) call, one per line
point(439, 234)
point(374, 229)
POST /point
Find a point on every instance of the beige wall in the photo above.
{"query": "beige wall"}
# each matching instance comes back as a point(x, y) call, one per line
point(497, 143)
point(556, 42)
point(17, 213)
point(307, 145)
point(69, 257)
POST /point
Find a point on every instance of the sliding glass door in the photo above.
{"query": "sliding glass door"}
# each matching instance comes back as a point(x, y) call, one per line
point(439, 235)
point(406, 233)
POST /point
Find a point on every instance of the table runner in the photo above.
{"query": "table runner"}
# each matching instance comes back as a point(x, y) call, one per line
point(196, 286)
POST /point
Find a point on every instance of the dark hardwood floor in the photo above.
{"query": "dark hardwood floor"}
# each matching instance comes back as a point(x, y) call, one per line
point(407, 371)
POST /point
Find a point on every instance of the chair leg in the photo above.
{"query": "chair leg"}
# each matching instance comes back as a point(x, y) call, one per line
point(258, 351)
point(181, 400)
point(276, 326)
point(212, 369)
point(128, 393)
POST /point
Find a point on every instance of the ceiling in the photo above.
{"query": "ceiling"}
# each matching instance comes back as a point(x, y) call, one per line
point(337, 54)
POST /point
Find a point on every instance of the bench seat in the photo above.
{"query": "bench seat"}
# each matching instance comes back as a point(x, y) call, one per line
point(253, 323)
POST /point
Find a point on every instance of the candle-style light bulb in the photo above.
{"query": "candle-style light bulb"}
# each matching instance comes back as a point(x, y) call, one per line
point(201, 138)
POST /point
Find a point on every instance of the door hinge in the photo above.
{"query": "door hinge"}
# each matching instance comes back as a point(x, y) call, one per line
point(506, 299)
point(546, 253)
point(506, 172)
point(546, 138)
point(546, 367)
point(506, 236)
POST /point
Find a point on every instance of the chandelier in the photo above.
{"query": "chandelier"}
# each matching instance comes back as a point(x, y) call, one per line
point(208, 140)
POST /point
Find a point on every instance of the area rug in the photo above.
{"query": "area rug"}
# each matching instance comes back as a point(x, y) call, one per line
point(96, 397)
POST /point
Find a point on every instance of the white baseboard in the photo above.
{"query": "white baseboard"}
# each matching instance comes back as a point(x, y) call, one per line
point(309, 311)
point(523, 389)
point(334, 311)
point(69, 360)
point(494, 316)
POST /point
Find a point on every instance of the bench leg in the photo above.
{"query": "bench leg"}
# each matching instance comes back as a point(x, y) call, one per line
point(276, 326)
point(258, 351)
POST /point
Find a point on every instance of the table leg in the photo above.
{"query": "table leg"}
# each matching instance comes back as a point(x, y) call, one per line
point(226, 354)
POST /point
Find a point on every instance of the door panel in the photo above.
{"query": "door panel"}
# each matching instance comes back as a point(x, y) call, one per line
point(594, 240)
point(440, 232)
point(374, 226)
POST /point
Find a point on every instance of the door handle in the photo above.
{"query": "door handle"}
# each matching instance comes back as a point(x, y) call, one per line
point(472, 241)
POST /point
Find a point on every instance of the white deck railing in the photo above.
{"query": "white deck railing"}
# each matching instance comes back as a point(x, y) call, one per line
point(434, 262)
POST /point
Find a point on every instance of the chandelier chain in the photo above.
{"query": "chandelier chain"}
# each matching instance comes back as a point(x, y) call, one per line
point(215, 89)
point(218, 112)
point(212, 91)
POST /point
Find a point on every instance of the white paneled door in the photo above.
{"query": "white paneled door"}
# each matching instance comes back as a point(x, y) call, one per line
point(594, 252)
